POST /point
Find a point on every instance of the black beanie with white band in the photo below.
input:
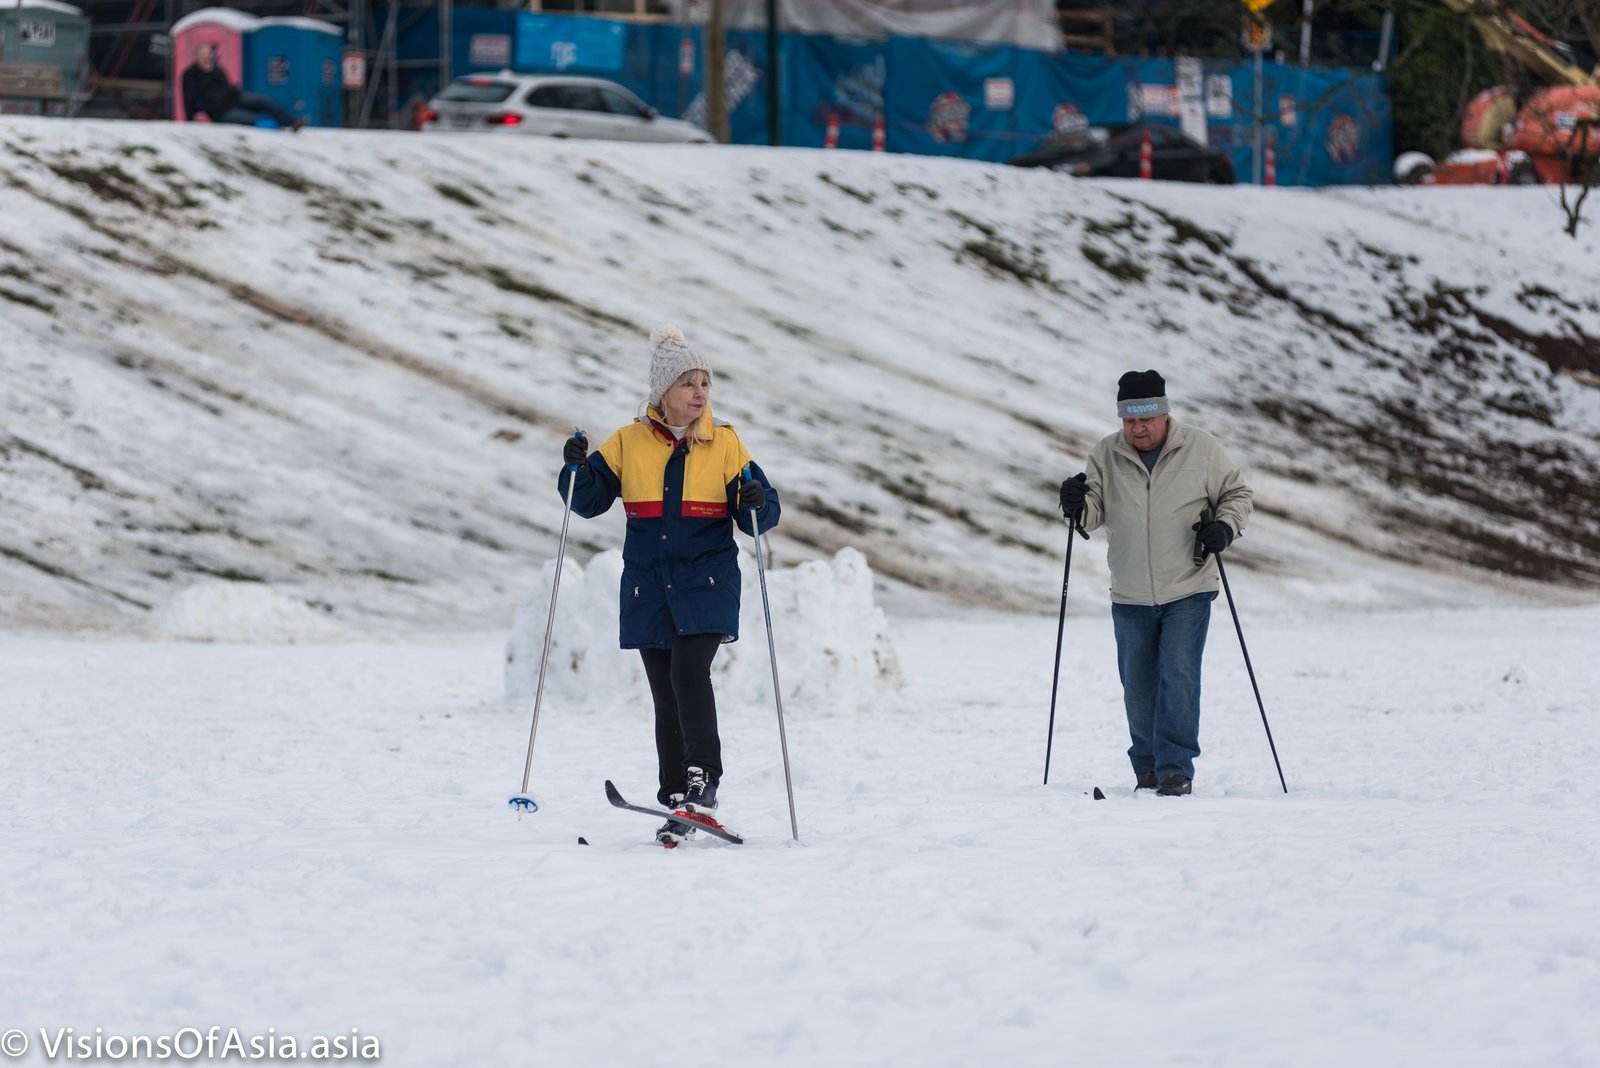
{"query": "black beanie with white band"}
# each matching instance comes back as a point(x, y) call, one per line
point(1141, 395)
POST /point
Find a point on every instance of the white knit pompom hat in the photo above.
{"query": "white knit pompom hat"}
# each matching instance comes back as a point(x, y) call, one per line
point(670, 357)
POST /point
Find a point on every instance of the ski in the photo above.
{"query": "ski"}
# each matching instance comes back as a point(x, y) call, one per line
point(716, 830)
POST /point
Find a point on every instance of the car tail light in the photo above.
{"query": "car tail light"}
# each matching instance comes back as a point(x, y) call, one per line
point(428, 115)
point(504, 118)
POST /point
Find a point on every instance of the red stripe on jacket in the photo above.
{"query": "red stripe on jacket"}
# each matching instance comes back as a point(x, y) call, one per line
point(691, 509)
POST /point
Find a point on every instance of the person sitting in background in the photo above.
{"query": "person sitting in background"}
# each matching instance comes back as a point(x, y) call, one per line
point(206, 90)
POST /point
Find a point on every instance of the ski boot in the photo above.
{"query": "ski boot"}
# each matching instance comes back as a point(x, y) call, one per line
point(700, 798)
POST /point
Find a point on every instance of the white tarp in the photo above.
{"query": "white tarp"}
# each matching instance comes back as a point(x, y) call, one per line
point(1030, 23)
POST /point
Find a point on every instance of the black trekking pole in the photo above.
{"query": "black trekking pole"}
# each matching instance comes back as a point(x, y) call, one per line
point(1074, 527)
point(1222, 572)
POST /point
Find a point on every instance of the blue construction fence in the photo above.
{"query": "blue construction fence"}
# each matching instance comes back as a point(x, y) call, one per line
point(1328, 126)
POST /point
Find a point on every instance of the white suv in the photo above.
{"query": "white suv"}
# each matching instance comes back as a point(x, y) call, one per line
point(552, 106)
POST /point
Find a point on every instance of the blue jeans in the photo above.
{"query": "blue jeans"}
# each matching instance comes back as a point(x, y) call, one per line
point(1159, 648)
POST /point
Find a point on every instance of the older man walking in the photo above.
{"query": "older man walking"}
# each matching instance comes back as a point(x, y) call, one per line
point(1148, 485)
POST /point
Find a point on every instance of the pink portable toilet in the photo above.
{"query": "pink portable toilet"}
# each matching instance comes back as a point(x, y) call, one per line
point(220, 26)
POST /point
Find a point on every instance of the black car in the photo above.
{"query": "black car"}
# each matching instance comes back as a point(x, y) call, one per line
point(1113, 152)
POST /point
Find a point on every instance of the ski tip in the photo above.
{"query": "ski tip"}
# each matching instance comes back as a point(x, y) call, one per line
point(612, 794)
point(582, 840)
point(1098, 796)
point(522, 803)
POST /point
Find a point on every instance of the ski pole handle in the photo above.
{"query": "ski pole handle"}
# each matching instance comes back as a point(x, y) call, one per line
point(745, 480)
point(572, 469)
point(1199, 548)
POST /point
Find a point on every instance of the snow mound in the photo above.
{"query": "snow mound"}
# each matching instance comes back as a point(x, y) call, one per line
point(241, 612)
point(834, 652)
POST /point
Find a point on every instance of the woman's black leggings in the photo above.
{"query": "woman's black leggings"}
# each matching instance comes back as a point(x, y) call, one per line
point(686, 709)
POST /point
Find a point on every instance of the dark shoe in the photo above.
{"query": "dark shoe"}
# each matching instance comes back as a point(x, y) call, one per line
point(670, 833)
point(1147, 781)
point(700, 796)
point(1174, 786)
point(297, 125)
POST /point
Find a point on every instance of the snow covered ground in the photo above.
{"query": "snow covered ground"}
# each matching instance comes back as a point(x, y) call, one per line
point(314, 838)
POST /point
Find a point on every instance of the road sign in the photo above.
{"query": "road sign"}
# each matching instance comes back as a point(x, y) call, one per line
point(1257, 35)
point(354, 70)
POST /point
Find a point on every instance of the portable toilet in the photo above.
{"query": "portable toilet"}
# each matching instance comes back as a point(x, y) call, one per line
point(296, 62)
point(44, 57)
point(223, 27)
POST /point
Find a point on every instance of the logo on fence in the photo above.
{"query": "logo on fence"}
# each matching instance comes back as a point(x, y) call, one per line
point(741, 78)
point(489, 50)
point(947, 119)
point(1344, 139)
point(1219, 96)
point(1135, 101)
point(1068, 119)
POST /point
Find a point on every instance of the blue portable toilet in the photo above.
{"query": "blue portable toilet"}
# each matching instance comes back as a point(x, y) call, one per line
point(296, 62)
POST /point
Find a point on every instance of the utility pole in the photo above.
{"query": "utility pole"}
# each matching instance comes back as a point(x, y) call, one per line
point(717, 73)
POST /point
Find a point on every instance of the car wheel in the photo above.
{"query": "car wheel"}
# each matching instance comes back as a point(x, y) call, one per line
point(1413, 168)
point(1523, 174)
point(1220, 176)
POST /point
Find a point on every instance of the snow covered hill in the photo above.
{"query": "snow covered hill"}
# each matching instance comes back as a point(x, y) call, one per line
point(341, 364)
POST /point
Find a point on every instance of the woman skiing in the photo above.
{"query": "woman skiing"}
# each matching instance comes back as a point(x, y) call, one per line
point(680, 474)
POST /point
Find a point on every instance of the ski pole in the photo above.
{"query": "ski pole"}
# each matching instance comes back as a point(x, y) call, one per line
point(1222, 572)
point(1074, 528)
point(772, 655)
point(524, 802)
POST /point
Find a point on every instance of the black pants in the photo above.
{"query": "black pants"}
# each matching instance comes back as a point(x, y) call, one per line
point(247, 112)
point(686, 709)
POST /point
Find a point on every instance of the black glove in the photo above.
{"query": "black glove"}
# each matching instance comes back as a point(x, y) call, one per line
point(752, 494)
point(1214, 536)
point(575, 451)
point(1073, 491)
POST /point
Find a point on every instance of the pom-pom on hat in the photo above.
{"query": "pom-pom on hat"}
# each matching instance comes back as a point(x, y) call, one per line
point(670, 357)
point(1141, 394)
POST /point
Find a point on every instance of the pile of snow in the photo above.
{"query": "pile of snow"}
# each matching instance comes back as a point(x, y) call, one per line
point(834, 652)
point(241, 612)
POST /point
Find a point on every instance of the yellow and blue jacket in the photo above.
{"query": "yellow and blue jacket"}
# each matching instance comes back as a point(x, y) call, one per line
point(680, 565)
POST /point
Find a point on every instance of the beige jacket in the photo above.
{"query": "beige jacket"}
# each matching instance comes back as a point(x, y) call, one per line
point(1149, 516)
